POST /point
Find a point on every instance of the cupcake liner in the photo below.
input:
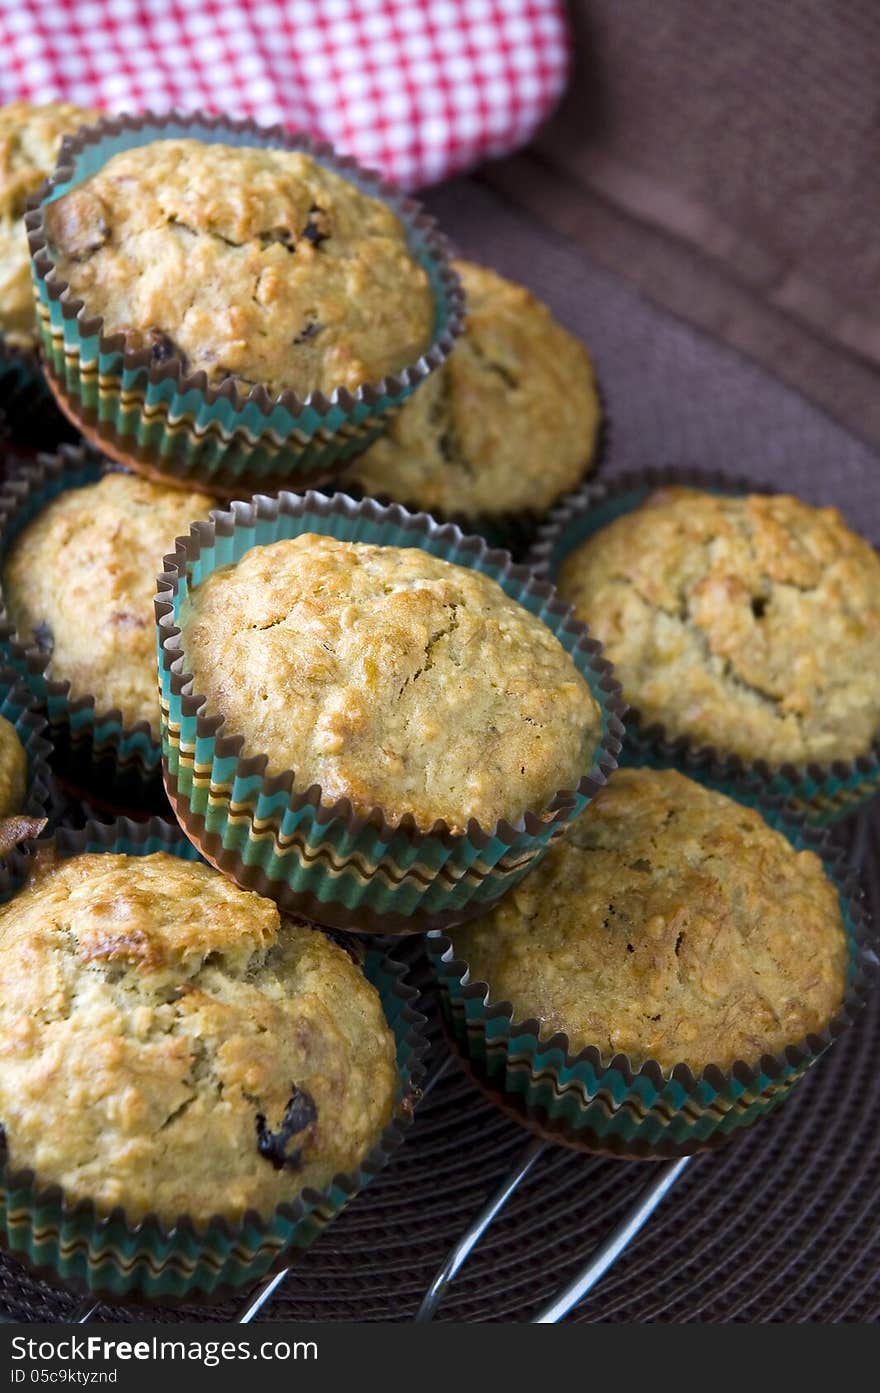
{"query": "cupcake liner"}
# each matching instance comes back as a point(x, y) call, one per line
point(17, 706)
point(69, 1243)
point(591, 1101)
point(337, 867)
point(31, 413)
point(92, 749)
point(824, 793)
point(156, 418)
point(513, 530)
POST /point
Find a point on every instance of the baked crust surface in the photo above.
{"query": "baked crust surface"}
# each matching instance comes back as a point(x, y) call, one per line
point(151, 1012)
point(255, 264)
point(507, 424)
point(390, 677)
point(13, 770)
point(671, 923)
point(751, 624)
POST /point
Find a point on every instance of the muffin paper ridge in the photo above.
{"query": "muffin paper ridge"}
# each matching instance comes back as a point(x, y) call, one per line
point(286, 842)
point(171, 413)
point(611, 1104)
point(824, 793)
point(147, 1260)
point(98, 740)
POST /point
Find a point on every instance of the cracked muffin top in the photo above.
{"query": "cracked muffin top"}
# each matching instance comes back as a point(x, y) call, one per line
point(390, 677)
point(671, 923)
point(507, 424)
point(30, 138)
point(253, 264)
point(79, 581)
point(751, 623)
point(169, 1044)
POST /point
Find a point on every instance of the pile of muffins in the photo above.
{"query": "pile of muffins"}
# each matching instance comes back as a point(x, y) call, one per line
point(366, 722)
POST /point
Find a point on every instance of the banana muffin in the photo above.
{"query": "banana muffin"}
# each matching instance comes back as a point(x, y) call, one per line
point(254, 264)
point(30, 138)
point(170, 1045)
point(673, 924)
point(751, 623)
point(389, 677)
point(509, 422)
point(13, 770)
point(79, 581)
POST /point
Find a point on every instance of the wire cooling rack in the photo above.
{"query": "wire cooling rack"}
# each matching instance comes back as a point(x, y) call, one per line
point(553, 1233)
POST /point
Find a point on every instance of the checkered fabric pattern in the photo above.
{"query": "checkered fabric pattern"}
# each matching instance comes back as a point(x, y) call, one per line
point(419, 89)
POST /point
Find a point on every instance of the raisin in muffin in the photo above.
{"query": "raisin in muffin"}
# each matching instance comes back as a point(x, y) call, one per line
point(389, 677)
point(254, 264)
point(30, 138)
point(751, 623)
point(673, 924)
point(79, 581)
point(508, 423)
point(169, 1045)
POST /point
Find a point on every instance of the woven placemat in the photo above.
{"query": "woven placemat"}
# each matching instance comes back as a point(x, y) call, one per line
point(781, 1226)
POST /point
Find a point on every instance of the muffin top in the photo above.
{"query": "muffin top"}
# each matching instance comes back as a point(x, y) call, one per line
point(30, 138)
point(259, 265)
point(168, 1044)
point(13, 770)
point(751, 623)
point(671, 923)
point(79, 582)
point(390, 677)
point(508, 423)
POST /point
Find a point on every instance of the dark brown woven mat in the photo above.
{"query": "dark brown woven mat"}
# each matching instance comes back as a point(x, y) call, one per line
point(781, 1225)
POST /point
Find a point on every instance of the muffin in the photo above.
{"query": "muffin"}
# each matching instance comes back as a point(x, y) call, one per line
point(389, 677)
point(78, 583)
point(748, 623)
point(30, 137)
point(254, 264)
point(507, 424)
point(170, 1046)
point(672, 924)
point(13, 770)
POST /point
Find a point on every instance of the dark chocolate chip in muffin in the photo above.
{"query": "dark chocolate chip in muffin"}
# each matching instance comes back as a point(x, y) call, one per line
point(299, 1114)
point(44, 637)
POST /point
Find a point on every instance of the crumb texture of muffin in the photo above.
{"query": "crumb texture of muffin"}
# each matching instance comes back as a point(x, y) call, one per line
point(255, 264)
point(79, 582)
point(392, 678)
point(749, 623)
point(13, 770)
point(169, 1045)
point(673, 924)
point(508, 423)
point(30, 138)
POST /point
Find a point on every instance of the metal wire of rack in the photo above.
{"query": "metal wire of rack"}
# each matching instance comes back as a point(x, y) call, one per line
point(648, 1197)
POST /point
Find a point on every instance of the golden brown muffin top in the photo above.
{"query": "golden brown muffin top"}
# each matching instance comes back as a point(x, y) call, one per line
point(507, 424)
point(671, 923)
point(79, 582)
point(255, 264)
point(151, 1013)
point(751, 623)
point(13, 770)
point(30, 138)
point(392, 678)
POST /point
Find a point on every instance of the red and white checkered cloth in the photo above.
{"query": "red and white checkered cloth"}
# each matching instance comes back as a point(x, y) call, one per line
point(419, 89)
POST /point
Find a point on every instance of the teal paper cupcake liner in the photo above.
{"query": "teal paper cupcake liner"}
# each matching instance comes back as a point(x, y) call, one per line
point(30, 412)
point(92, 750)
point(18, 707)
point(160, 420)
point(336, 867)
point(595, 1102)
point(824, 793)
point(69, 1243)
